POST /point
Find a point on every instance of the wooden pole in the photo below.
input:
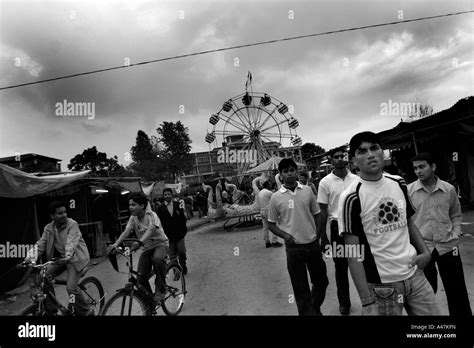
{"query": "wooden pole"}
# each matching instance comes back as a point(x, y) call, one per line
point(414, 143)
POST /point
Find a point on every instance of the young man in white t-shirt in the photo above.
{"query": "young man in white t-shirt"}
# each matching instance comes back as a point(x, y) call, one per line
point(294, 215)
point(330, 188)
point(375, 216)
point(147, 227)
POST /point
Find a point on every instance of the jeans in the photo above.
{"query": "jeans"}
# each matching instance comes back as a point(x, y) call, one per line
point(452, 276)
point(72, 287)
point(342, 269)
point(178, 248)
point(155, 257)
point(414, 294)
point(301, 259)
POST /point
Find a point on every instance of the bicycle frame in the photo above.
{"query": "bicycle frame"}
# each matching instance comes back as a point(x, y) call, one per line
point(133, 284)
point(43, 290)
point(41, 296)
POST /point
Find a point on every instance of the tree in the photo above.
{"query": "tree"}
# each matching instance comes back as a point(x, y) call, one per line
point(97, 162)
point(143, 149)
point(420, 110)
point(309, 150)
point(176, 147)
point(147, 162)
point(116, 169)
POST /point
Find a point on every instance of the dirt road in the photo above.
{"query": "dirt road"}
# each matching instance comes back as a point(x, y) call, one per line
point(232, 273)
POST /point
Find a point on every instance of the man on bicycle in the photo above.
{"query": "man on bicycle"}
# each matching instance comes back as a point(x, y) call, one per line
point(147, 227)
point(62, 238)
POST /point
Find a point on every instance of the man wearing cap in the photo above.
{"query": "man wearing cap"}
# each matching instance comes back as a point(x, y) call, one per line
point(375, 216)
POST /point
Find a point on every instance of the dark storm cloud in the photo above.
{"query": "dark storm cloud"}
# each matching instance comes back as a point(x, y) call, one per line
point(67, 38)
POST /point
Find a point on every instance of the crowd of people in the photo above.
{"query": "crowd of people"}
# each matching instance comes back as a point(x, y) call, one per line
point(392, 235)
point(395, 237)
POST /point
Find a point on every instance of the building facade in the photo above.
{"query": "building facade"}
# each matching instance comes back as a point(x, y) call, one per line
point(32, 163)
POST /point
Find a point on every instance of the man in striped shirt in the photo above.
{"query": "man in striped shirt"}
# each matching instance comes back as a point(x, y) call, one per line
point(375, 216)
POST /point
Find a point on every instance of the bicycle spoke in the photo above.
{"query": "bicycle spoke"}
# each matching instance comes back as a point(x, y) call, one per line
point(93, 293)
point(123, 303)
point(176, 291)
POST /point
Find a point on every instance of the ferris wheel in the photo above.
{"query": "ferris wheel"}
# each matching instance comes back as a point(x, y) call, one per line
point(261, 122)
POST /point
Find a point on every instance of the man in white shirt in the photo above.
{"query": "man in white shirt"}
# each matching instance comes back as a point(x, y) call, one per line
point(294, 215)
point(375, 216)
point(330, 188)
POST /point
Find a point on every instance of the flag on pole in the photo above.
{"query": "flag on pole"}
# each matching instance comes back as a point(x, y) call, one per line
point(249, 80)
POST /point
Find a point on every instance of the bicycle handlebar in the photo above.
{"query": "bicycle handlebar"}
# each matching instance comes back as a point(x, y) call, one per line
point(33, 264)
point(122, 251)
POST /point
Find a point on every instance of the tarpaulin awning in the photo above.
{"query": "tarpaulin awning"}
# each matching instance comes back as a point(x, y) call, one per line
point(456, 120)
point(155, 189)
point(147, 188)
point(17, 184)
point(131, 184)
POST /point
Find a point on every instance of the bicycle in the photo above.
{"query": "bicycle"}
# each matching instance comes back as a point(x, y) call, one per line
point(135, 299)
point(91, 287)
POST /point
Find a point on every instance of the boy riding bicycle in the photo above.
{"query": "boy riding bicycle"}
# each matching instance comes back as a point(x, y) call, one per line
point(147, 227)
point(63, 239)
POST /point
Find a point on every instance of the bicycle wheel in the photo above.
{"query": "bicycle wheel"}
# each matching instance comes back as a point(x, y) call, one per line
point(123, 303)
point(175, 290)
point(93, 293)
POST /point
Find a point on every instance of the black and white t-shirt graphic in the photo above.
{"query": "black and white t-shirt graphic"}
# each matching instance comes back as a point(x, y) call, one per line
point(389, 216)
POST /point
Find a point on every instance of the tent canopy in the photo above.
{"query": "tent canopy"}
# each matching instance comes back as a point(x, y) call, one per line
point(17, 184)
point(270, 164)
point(155, 189)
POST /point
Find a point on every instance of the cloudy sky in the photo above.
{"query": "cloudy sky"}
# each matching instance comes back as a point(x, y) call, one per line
point(336, 83)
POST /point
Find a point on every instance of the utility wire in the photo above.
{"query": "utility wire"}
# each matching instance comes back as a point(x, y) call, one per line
point(235, 47)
